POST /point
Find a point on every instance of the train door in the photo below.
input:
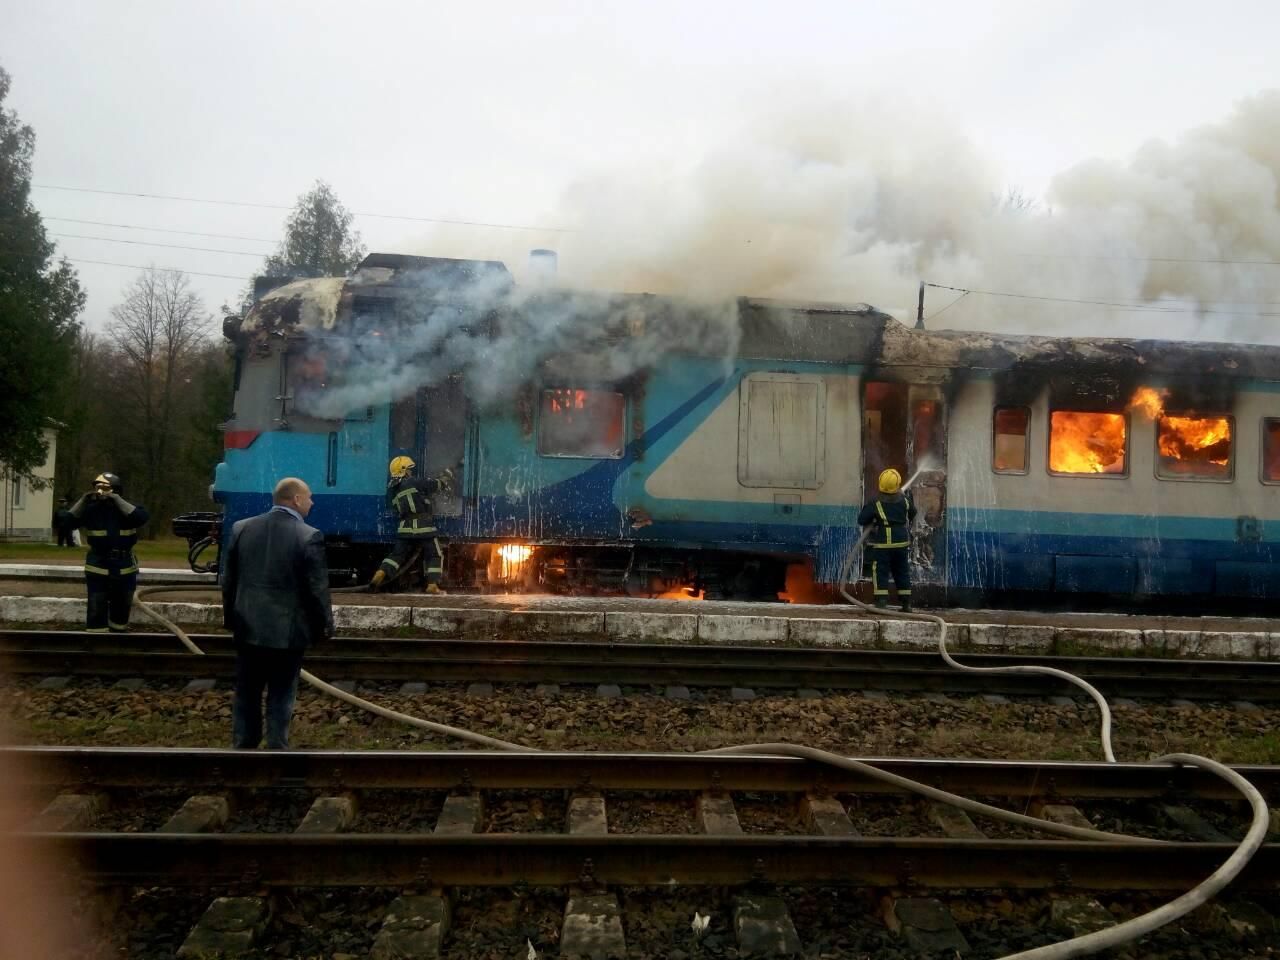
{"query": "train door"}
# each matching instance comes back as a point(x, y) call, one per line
point(904, 426)
point(443, 411)
point(430, 426)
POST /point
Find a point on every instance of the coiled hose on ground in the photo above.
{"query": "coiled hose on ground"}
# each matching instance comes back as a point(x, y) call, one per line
point(1077, 947)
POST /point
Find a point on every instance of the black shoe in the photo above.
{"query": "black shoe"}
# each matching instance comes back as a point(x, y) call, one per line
point(882, 603)
point(906, 606)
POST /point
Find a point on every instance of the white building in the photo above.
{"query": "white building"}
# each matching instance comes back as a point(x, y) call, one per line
point(26, 513)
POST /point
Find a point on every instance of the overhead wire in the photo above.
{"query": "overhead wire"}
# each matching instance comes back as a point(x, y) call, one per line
point(280, 206)
point(158, 243)
point(141, 266)
point(1131, 306)
point(138, 226)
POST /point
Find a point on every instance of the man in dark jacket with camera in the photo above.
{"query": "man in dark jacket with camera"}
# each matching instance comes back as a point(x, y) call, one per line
point(275, 601)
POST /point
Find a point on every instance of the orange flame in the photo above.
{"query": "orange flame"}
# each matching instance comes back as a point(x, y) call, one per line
point(1195, 445)
point(1149, 400)
point(512, 558)
point(1086, 442)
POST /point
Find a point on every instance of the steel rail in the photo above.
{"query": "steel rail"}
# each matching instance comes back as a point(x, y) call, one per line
point(154, 655)
point(278, 860)
point(119, 767)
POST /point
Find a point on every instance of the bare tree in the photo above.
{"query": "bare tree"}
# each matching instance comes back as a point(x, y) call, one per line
point(159, 331)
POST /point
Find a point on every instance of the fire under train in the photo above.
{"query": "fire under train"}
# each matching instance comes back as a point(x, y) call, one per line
point(1050, 465)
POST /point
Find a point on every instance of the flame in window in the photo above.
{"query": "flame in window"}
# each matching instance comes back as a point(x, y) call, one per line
point(1189, 444)
point(1086, 443)
point(1195, 445)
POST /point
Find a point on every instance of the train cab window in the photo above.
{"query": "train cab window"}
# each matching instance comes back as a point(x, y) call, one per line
point(1088, 444)
point(1271, 450)
point(1010, 435)
point(581, 423)
point(1193, 448)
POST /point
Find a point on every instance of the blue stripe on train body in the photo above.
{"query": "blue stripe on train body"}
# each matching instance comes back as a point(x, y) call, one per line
point(1110, 553)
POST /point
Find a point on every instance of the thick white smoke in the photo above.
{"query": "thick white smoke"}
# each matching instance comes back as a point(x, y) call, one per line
point(857, 204)
point(442, 333)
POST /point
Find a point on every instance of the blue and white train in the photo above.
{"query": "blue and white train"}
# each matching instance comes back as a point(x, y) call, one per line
point(711, 466)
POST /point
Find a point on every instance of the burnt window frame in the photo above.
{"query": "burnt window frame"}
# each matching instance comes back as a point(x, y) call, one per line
point(1026, 441)
point(546, 388)
point(1128, 446)
point(1231, 461)
point(1262, 450)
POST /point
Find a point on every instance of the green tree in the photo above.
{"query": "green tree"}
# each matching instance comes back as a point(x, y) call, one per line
point(39, 303)
point(318, 240)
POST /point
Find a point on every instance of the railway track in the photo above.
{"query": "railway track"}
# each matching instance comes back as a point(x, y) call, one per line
point(596, 829)
point(556, 856)
point(70, 653)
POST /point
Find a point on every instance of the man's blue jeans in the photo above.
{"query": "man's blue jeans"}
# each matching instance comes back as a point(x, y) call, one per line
point(276, 672)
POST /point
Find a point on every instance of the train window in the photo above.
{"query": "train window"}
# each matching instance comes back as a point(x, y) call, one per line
point(1193, 448)
point(581, 423)
point(1088, 444)
point(1010, 435)
point(1271, 450)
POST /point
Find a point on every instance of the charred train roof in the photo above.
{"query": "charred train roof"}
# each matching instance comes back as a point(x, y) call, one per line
point(769, 329)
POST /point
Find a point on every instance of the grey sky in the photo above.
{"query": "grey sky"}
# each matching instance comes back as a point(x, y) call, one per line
point(491, 111)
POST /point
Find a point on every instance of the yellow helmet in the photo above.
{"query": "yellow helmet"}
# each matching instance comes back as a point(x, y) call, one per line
point(890, 481)
point(401, 467)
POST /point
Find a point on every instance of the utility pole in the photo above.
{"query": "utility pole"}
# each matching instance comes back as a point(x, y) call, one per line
point(920, 308)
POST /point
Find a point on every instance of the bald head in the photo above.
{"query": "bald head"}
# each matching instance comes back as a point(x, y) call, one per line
point(294, 493)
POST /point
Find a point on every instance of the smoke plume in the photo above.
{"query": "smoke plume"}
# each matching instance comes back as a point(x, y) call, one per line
point(854, 204)
point(857, 204)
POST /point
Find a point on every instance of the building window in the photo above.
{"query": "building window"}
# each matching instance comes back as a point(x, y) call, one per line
point(581, 423)
point(1010, 434)
point(1193, 448)
point(1271, 450)
point(1088, 444)
point(19, 495)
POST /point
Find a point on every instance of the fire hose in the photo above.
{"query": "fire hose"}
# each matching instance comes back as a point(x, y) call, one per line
point(1077, 947)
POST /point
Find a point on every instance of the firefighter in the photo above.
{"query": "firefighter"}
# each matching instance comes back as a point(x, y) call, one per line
point(410, 497)
point(110, 524)
point(890, 516)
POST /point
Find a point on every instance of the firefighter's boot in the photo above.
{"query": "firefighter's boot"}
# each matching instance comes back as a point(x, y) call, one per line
point(882, 603)
point(906, 606)
point(434, 588)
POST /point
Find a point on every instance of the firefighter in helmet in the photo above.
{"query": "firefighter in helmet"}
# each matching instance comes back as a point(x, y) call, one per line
point(890, 515)
point(110, 524)
point(410, 497)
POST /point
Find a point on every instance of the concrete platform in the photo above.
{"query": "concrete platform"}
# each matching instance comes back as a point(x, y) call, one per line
point(657, 621)
point(67, 571)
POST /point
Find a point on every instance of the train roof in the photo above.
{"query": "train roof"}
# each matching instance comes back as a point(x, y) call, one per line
point(833, 333)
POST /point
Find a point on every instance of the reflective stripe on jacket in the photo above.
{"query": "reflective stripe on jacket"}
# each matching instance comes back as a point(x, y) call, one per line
point(891, 516)
point(111, 537)
point(411, 500)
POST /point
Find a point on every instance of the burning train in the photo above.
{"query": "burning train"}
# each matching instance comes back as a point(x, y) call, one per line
point(639, 444)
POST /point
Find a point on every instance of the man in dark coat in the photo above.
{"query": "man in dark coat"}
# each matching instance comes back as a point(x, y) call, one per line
point(64, 523)
point(275, 601)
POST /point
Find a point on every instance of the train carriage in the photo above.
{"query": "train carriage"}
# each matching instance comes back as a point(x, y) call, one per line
point(653, 446)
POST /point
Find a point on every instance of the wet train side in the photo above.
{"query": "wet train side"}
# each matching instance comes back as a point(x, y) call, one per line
point(706, 474)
